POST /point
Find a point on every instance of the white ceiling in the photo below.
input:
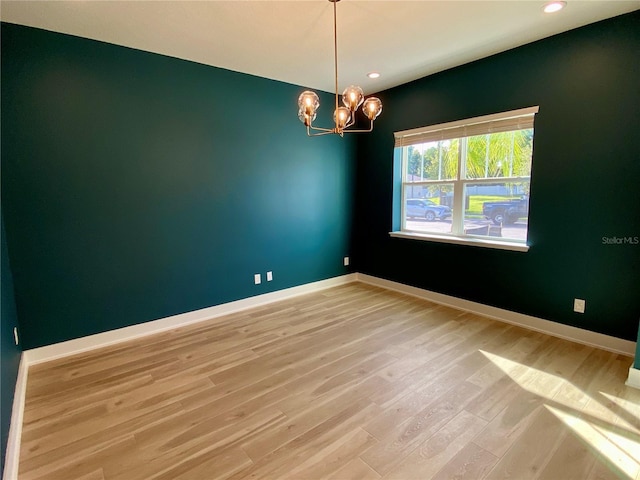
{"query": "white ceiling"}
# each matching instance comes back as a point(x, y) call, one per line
point(292, 41)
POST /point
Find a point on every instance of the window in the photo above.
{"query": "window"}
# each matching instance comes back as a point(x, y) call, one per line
point(468, 180)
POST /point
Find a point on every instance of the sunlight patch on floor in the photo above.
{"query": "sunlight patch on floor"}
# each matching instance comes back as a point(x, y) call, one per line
point(617, 449)
point(633, 409)
point(618, 444)
point(531, 379)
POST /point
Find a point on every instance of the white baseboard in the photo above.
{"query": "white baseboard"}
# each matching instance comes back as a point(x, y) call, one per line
point(79, 345)
point(112, 337)
point(578, 335)
point(12, 455)
point(634, 378)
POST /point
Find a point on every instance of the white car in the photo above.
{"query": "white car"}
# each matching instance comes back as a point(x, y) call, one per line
point(423, 208)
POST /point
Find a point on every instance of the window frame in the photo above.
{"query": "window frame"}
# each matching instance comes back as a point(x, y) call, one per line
point(462, 130)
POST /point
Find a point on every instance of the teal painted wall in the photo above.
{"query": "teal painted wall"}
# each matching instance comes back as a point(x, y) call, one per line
point(9, 352)
point(585, 184)
point(137, 186)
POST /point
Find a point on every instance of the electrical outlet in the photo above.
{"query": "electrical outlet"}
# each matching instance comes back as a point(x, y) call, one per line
point(269, 276)
point(579, 305)
point(15, 334)
point(346, 261)
point(257, 279)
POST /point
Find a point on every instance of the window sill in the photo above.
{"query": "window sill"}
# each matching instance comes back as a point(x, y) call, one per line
point(471, 241)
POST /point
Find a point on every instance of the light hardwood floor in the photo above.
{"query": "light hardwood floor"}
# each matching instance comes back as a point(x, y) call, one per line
point(354, 382)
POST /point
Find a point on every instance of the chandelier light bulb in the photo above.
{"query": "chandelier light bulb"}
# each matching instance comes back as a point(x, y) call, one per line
point(352, 97)
point(372, 108)
point(305, 118)
point(341, 117)
point(308, 102)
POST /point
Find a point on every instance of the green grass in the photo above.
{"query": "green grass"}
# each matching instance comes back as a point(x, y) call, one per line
point(476, 201)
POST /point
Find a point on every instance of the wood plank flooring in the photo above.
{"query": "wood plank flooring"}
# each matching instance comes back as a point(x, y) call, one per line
point(354, 382)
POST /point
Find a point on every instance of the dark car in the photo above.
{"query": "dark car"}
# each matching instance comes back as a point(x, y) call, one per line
point(506, 212)
point(422, 208)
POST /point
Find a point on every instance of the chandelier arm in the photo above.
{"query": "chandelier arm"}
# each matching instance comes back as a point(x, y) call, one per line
point(352, 121)
point(320, 129)
point(323, 131)
point(361, 131)
point(327, 132)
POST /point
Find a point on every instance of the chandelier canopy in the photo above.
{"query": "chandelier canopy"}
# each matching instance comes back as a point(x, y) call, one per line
point(352, 98)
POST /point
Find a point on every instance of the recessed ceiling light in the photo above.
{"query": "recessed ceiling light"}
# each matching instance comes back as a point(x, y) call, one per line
point(553, 7)
point(373, 75)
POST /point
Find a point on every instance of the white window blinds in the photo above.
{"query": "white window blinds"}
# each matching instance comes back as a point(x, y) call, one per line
point(497, 122)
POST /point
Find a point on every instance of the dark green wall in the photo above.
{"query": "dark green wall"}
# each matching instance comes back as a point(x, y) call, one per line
point(585, 184)
point(137, 186)
point(10, 353)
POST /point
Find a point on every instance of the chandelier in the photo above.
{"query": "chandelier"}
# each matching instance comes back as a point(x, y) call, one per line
point(352, 98)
